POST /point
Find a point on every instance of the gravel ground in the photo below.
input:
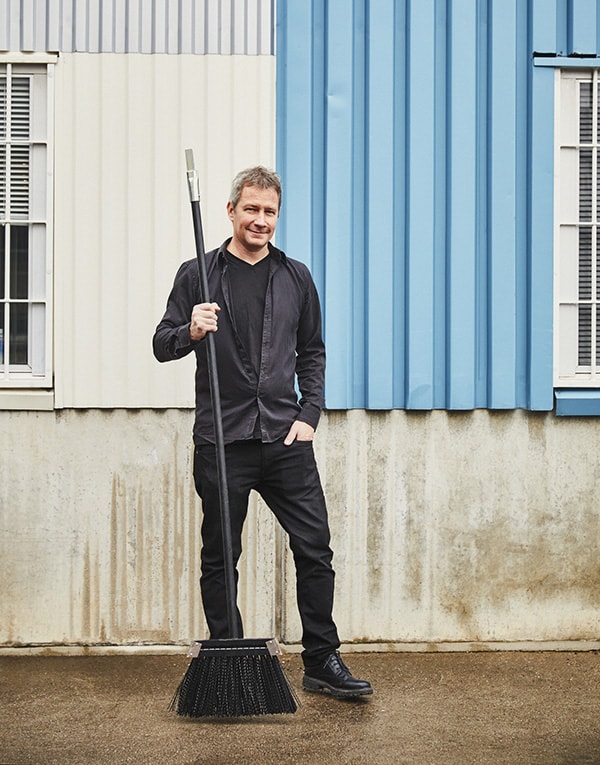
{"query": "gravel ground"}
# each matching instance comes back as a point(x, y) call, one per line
point(446, 708)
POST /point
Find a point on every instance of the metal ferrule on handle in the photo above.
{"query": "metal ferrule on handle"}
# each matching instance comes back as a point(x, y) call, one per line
point(192, 176)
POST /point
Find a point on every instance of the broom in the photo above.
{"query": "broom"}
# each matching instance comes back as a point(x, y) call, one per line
point(232, 677)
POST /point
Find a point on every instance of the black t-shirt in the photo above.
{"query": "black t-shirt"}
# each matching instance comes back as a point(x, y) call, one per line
point(248, 289)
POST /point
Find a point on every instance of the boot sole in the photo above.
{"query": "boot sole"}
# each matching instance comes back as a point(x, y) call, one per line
point(319, 686)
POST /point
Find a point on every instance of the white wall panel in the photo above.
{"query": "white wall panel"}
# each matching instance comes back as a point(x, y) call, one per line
point(123, 221)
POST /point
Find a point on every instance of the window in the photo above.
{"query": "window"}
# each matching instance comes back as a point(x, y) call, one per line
point(577, 263)
point(25, 226)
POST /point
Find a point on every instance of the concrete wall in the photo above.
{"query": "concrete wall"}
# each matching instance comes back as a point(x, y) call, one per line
point(477, 527)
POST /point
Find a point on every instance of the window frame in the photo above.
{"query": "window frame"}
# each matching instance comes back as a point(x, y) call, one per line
point(30, 385)
point(568, 373)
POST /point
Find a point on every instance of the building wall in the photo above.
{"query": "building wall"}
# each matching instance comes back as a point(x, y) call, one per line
point(122, 215)
point(447, 528)
point(462, 527)
point(162, 26)
point(419, 138)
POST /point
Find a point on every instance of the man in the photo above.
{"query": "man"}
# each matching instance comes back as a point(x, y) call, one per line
point(266, 317)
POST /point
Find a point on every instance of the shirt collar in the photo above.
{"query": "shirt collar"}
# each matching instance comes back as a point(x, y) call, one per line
point(276, 253)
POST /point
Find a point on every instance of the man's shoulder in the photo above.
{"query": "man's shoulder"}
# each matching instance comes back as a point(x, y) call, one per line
point(187, 274)
point(297, 266)
point(188, 265)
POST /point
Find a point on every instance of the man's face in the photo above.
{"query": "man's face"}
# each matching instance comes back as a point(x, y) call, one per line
point(254, 218)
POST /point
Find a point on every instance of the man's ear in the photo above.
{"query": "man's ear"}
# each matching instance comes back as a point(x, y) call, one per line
point(230, 210)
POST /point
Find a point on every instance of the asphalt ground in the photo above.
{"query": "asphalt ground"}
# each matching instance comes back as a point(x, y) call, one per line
point(427, 708)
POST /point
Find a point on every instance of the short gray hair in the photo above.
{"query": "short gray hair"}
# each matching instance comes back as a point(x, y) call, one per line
point(254, 176)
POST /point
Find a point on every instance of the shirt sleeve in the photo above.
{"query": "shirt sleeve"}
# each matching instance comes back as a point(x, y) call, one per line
point(310, 360)
point(172, 335)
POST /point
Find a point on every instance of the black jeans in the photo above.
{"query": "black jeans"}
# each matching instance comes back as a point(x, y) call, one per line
point(287, 479)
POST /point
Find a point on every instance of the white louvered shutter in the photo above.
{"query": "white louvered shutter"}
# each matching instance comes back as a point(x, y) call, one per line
point(25, 227)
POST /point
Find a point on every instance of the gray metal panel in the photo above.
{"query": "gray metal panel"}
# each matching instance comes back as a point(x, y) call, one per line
point(243, 27)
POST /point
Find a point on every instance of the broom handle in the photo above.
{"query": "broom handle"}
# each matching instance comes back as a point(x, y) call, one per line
point(213, 380)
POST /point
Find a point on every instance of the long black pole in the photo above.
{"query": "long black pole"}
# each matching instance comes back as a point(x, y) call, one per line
point(213, 379)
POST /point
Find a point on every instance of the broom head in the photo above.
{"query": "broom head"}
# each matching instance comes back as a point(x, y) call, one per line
point(234, 678)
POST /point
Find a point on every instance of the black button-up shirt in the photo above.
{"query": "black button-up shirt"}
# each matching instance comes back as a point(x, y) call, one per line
point(292, 350)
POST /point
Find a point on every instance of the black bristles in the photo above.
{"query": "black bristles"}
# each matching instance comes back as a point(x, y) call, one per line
point(234, 680)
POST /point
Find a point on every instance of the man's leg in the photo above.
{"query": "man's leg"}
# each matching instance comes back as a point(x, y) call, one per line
point(241, 460)
point(290, 485)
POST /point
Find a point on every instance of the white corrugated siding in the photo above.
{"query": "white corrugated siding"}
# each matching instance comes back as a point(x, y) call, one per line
point(122, 212)
point(162, 26)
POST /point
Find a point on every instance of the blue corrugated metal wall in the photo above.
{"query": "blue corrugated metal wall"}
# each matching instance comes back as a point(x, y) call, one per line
point(415, 142)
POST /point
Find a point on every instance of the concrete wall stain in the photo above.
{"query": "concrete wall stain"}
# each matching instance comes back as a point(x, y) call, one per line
point(463, 527)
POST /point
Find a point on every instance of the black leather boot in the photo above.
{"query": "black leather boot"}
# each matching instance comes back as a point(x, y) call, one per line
point(334, 677)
